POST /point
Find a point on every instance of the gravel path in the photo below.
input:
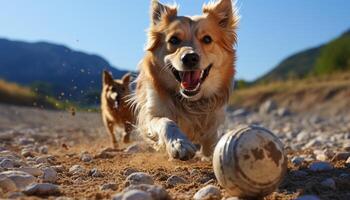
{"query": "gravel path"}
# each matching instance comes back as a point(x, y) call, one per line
point(57, 154)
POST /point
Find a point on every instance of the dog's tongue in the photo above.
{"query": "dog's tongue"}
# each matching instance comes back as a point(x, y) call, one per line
point(190, 79)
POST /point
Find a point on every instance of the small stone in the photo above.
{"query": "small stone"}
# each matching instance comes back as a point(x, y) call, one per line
point(341, 156)
point(175, 180)
point(138, 178)
point(297, 161)
point(44, 149)
point(135, 148)
point(303, 136)
point(267, 107)
point(26, 141)
point(118, 196)
point(7, 164)
point(42, 189)
point(45, 159)
point(157, 192)
point(7, 185)
point(31, 170)
point(283, 112)
point(27, 153)
point(85, 157)
point(95, 173)
point(106, 154)
point(208, 192)
point(109, 186)
point(50, 175)
point(76, 169)
point(329, 182)
point(313, 143)
point(129, 171)
point(136, 195)
point(308, 197)
point(320, 166)
point(21, 179)
point(6, 136)
point(58, 168)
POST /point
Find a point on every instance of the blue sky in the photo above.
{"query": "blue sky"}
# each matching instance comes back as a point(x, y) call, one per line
point(115, 29)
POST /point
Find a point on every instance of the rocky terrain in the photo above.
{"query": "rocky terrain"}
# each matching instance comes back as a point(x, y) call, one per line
point(63, 155)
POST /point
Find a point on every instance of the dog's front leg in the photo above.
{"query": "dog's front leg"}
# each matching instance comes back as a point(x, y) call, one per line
point(176, 143)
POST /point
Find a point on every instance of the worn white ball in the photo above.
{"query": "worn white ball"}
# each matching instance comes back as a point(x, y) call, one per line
point(249, 162)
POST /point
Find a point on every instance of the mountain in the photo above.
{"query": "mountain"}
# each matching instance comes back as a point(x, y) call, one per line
point(54, 70)
point(328, 58)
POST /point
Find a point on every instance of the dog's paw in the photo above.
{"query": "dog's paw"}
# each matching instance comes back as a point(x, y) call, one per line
point(181, 149)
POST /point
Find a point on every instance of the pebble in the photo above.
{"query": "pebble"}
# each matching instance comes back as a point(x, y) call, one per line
point(297, 161)
point(319, 166)
point(7, 185)
point(44, 149)
point(58, 168)
point(42, 189)
point(283, 112)
point(6, 136)
point(129, 171)
point(27, 153)
point(157, 192)
point(109, 186)
point(341, 156)
point(308, 197)
point(136, 195)
point(95, 173)
point(329, 182)
point(85, 157)
point(267, 107)
point(208, 192)
point(7, 164)
point(21, 179)
point(76, 169)
point(303, 136)
point(138, 178)
point(45, 159)
point(175, 180)
point(31, 170)
point(25, 141)
point(50, 175)
point(135, 148)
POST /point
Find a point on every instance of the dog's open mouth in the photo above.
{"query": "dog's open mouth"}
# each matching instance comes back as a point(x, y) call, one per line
point(191, 80)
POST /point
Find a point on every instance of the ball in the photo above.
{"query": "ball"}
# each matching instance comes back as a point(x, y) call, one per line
point(249, 162)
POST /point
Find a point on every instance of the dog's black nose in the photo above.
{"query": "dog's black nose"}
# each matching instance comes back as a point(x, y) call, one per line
point(190, 60)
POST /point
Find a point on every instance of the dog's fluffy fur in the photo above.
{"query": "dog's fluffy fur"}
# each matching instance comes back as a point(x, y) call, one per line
point(169, 113)
point(115, 111)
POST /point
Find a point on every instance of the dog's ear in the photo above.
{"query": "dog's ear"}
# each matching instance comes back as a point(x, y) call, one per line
point(126, 78)
point(161, 12)
point(107, 77)
point(161, 15)
point(224, 11)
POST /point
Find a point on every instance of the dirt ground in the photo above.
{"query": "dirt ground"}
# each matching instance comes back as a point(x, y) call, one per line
point(69, 136)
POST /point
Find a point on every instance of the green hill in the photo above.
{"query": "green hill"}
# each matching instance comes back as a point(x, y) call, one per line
point(325, 59)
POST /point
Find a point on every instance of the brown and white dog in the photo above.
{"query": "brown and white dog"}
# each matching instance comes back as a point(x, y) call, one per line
point(115, 110)
point(186, 77)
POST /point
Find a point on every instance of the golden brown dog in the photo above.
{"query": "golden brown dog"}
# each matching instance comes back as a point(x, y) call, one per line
point(115, 110)
point(185, 77)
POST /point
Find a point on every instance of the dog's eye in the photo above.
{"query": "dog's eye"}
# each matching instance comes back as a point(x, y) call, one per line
point(174, 40)
point(207, 39)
